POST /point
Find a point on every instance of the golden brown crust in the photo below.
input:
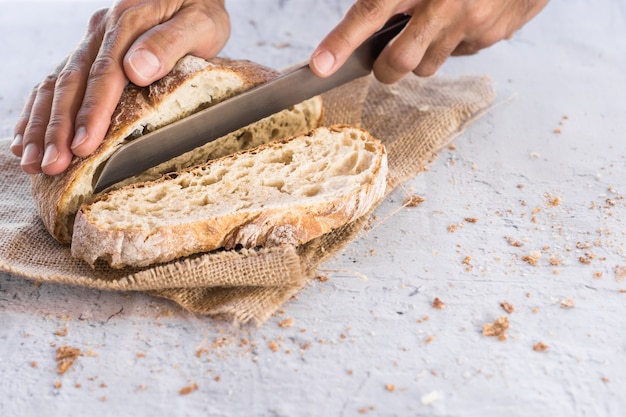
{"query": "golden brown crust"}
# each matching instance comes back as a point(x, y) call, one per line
point(293, 224)
point(58, 197)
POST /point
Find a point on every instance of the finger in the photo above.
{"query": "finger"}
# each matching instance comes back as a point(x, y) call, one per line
point(68, 94)
point(437, 53)
point(106, 79)
point(363, 19)
point(191, 31)
point(404, 53)
point(17, 146)
point(33, 140)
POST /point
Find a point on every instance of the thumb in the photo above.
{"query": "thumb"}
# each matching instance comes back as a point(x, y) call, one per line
point(156, 52)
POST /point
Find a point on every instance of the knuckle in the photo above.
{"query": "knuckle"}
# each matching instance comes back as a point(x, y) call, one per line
point(69, 75)
point(97, 19)
point(102, 66)
point(47, 85)
point(403, 62)
point(372, 12)
point(477, 17)
point(37, 123)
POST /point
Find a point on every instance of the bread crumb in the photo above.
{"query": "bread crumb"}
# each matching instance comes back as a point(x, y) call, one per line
point(286, 323)
point(413, 200)
point(471, 219)
point(557, 130)
point(555, 260)
point(508, 307)
point(66, 356)
point(322, 278)
point(513, 242)
point(605, 379)
point(497, 329)
point(452, 228)
point(532, 258)
point(188, 389)
point(57, 384)
point(540, 347)
point(467, 260)
point(567, 303)
point(390, 387)
point(273, 345)
point(61, 332)
point(429, 339)
point(438, 304)
point(554, 201)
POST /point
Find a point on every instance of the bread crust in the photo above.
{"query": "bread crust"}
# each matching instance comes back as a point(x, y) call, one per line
point(58, 197)
point(288, 224)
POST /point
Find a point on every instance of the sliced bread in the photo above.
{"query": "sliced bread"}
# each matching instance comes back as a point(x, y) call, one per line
point(192, 85)
point(285, 192)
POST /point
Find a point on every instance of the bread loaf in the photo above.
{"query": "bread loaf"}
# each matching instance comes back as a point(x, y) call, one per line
point(285, 192)
point(192, 85)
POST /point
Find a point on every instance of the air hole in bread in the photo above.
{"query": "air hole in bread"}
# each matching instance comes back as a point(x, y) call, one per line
point(244, 139)
point(312, 190)
point(274, 183)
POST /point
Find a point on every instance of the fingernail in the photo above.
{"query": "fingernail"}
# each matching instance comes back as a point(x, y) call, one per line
point(50, 156)
point(79, 137)
point(31, 155)
point(17, 142)
point(144, 63)
point(324, 61)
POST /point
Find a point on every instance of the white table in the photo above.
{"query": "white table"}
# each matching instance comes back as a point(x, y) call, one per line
point(368, 341)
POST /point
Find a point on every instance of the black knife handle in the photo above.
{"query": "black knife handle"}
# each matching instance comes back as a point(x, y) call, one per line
point(391, 29)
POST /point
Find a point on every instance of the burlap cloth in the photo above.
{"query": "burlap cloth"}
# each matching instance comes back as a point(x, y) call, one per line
point(414, 119)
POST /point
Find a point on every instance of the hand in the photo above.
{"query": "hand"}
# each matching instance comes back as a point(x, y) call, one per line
point(139, 41)
point(437, 29)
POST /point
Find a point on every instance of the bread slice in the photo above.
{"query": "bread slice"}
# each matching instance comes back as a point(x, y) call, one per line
point(192, 85)
point(285, 192)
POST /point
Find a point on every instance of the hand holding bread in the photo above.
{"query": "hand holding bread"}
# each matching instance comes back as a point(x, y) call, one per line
point(69, 112)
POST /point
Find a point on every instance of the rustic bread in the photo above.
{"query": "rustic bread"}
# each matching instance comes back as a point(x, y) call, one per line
point(285, 192)
point(192, 85)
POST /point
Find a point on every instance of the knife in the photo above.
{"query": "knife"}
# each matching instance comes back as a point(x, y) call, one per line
point(239, 111)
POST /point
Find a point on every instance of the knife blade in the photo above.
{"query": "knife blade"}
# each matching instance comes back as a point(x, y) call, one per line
point(239, 111)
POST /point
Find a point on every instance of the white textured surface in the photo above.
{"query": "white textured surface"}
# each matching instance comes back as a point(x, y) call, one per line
point(364, 328)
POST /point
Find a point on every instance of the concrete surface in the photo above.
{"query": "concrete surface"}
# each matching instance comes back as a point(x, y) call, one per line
point(368, 341)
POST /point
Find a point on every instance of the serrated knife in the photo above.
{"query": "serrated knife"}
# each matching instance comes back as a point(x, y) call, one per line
point(239, 111)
